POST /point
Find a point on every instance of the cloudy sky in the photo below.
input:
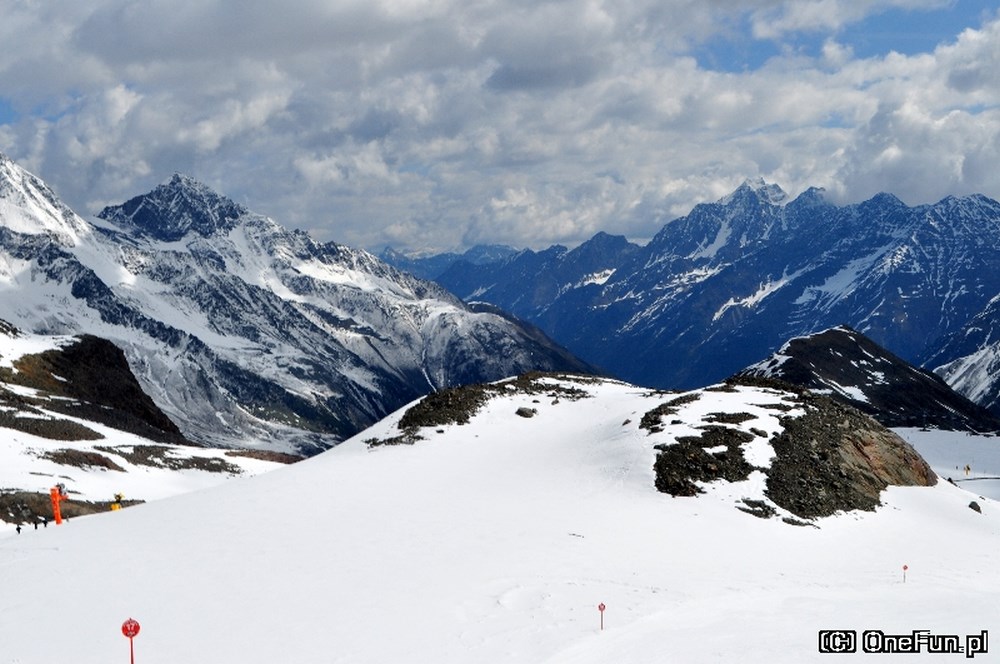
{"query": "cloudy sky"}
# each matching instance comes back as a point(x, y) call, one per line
point(439, 124)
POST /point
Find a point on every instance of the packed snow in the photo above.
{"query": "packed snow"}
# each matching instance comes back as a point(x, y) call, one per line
point(495, 541)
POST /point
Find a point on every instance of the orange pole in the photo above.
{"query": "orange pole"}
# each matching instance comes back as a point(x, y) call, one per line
point(56, 499)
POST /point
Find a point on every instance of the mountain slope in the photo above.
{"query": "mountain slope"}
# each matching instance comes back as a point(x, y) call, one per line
point(495, 541)
point(727, 284)
point(242, 332)
point(72, 413)
point(853, 369)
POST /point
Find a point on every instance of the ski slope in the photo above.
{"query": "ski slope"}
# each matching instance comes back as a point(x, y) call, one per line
point(495, 541)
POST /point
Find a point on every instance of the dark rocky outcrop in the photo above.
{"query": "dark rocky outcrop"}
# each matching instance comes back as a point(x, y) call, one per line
point(832, 458)
point(457, 405)
point(835, 458)
point(680, 465)
point(89, 379)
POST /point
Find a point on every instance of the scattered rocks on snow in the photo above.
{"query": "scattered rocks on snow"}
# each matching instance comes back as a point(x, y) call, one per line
point(457, 405)
point(680, 465)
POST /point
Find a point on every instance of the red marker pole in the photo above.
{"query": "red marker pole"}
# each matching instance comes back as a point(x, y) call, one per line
point(905, 567)
point(130, 628)
point(601, 607)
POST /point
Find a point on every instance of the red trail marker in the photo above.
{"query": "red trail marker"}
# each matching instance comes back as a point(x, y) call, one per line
point(601, 607)
point(130, 628)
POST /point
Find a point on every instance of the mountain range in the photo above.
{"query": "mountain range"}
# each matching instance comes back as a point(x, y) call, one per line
point(728, 284)
point(431, 266)
point(242, 332)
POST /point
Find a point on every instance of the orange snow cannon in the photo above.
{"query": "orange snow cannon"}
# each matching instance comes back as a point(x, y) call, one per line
point(58, 494)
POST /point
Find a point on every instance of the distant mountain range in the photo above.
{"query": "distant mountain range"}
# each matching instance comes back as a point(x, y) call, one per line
point(728, 284)
point(242, 332)
point(432, 266)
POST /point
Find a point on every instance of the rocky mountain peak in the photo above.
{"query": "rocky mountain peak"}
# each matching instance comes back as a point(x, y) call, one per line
point(853, 369)
point(810, 198)
point(756, 190)
point(172, 210)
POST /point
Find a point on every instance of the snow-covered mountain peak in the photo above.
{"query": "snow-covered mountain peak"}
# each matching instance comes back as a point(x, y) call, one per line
point(29, 206)
point(180, 206)
point(811, 197)
point(756, 188)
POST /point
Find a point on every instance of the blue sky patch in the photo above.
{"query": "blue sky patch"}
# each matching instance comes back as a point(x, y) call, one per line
point(895, 30)
point(912, 32)
point(7, 112)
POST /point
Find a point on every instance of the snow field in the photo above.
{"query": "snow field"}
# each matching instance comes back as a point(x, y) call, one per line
point(492, 542)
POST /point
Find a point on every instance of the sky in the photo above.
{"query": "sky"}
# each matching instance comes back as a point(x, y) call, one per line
point(433, 125)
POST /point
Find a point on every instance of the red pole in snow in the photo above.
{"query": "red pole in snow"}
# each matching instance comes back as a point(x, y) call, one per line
point(130, 628)
point(601, 607)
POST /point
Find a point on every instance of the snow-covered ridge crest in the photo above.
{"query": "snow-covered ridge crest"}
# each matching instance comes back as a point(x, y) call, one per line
point(15, 344)
point(852, 368)
point(29, 206)
point(767, 192)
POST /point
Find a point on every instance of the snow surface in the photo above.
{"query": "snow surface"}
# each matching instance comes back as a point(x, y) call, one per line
point(494, 542)
point(949, 452)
